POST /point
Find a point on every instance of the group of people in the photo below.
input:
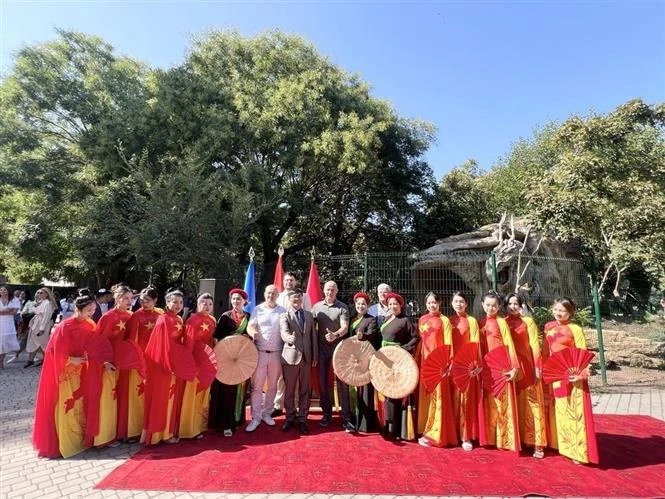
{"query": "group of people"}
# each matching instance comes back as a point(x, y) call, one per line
point(527, 411)
point(148, 376)
point(25, 324)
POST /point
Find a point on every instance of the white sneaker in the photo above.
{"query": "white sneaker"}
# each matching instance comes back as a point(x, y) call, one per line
point(424, 442)
point(11, 357)
point(228, 433)
point(253, 425)
point(268, 420)
point(467, 446)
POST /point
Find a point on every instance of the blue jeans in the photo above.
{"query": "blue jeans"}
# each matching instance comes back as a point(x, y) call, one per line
point(325, 360)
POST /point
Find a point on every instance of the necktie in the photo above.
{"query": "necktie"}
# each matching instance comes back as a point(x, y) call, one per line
point(301, 319)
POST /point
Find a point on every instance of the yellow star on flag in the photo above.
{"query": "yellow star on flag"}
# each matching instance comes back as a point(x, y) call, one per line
point(178, 326)
point(205, 326)
point(149, 325)
point(120, 325)
point(424, 327)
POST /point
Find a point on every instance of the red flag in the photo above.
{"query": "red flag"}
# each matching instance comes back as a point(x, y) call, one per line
point(314, 285)
point(278, 281)
point(315, 295)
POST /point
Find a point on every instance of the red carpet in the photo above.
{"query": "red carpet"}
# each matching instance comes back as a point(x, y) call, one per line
point(632, 451)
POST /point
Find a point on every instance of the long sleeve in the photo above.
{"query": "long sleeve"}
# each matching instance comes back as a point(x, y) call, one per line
point(285, 330)
point(44, 317)
point(447, 332)
point(372, 329)
point(315, 342)
point(413, 332)
point(508, 342)
point(474, 330)
point(534, 341)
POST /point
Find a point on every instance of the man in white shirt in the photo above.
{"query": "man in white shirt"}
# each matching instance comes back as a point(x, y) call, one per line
point(380, 310)
point(290, 283)
point(264, 328)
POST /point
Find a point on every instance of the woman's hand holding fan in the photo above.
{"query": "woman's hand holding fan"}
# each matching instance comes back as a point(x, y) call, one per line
point(568, 365)
point(466, 365)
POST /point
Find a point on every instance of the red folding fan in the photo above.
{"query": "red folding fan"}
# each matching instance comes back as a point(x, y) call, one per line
point(182, 362)
point(435, 367)
point(207, 365)
point(129, 356)
point(98, 348)
point(566, 362)
point(464, 362)
point(496, 365)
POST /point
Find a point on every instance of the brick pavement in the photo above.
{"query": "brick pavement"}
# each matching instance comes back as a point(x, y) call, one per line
point(23, 475)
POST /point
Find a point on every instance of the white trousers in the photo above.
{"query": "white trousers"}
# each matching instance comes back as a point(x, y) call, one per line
point(267, 372)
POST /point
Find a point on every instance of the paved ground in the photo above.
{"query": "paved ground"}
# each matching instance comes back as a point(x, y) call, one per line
point(23, 475)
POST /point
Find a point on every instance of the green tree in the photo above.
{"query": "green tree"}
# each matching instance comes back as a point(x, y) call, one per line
point(509, 182)
point(321, 161)
point(460, 203)
point(63, 109)
point(607, 189)
point(250, 141)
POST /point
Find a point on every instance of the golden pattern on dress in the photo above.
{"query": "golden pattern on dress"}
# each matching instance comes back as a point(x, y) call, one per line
point(571, 426)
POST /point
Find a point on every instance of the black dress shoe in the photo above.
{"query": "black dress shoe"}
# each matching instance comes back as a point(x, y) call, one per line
point(288, 425)
point(276, 413)
point(325, 421)
point(302, 427)
point(28, 364)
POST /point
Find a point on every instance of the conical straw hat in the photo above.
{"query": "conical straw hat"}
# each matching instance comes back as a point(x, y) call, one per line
point(237, 359)
point(351, 361)
point(394, 372)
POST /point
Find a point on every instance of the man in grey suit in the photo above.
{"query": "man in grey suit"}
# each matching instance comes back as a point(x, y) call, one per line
point(299, 355)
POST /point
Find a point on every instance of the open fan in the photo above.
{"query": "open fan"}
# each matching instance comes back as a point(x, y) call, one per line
point(128, 355)
point(464, 362)
point(566, 362)
point(496, 365)
point(98, 348)
point(435, 367)
point(207, 364)
point(182, 362)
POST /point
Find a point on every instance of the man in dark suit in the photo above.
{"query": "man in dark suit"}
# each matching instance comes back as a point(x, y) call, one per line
point(299, 355)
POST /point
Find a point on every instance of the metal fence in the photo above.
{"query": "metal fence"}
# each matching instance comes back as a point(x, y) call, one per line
point(415, 274)
point(539, 279)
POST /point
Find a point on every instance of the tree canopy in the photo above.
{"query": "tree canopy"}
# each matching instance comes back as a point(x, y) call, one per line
point(113, 167)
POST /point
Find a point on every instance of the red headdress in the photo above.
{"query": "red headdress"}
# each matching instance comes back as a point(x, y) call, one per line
point(240, 292)
point(397, 297)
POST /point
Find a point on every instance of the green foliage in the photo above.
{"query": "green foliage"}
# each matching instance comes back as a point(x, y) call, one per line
point(542, 315)
point(120, 169)
point(607, 188)
point(508, 183)
point(460, 203)
point(583, 317)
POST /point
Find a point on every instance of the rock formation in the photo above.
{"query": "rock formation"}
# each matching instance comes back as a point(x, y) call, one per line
point(539, 267)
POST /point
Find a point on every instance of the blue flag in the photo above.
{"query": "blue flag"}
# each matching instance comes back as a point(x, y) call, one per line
point(250, 288)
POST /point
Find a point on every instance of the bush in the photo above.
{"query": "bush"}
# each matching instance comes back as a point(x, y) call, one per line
point(542, 315)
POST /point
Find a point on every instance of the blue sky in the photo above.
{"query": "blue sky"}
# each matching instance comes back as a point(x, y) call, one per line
point(485, 73)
